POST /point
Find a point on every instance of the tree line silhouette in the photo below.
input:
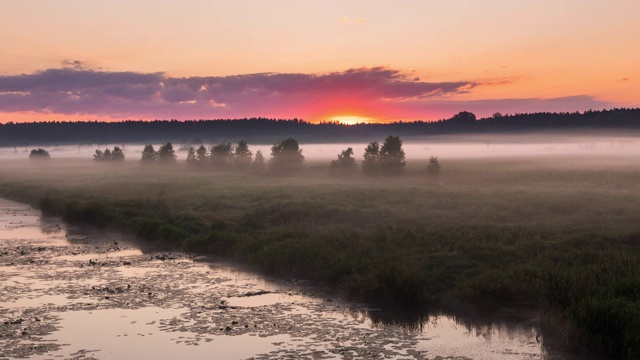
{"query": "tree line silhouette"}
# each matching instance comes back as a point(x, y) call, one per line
point(263, 130)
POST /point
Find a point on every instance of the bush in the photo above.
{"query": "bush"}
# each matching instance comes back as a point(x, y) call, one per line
point(39, 154)
point(433, 168)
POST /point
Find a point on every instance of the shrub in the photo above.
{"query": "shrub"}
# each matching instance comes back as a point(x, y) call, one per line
point(433, 168)
point(39, 154)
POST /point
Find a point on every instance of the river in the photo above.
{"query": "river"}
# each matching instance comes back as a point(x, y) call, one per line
point(77, 293)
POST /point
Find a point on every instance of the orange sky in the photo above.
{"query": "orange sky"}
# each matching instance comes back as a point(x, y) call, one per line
point(326, 60)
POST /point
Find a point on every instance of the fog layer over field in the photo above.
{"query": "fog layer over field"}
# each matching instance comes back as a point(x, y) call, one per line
point(546, 223)
point(444, 147)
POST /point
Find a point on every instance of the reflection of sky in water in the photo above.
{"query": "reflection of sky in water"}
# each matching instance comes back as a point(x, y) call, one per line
point(100, 256)
point(55, 300)
point(135, 334)
point(266, 299)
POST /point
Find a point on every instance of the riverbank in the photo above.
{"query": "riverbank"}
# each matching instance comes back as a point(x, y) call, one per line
point(77, 292)
point(552, 235)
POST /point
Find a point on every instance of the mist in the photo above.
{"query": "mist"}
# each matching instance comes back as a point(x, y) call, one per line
point(444, 147)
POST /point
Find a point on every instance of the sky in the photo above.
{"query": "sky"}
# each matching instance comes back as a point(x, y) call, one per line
point(348, 60)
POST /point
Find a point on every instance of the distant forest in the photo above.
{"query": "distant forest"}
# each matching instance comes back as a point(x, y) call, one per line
point(266, 131)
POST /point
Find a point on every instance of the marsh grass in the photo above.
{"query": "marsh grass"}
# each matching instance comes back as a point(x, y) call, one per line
point(560, 235)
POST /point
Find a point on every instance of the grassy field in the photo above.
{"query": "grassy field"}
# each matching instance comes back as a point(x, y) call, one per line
point(561, 234)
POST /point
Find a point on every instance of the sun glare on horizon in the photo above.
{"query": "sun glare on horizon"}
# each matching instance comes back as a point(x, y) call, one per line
point(351, 119)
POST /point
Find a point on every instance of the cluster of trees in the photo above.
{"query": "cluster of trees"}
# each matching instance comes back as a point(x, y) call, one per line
point(286, 156)
point(39, 154)
point(225, 156)
point(164, 155)
point(387, 158)
point(109, 155)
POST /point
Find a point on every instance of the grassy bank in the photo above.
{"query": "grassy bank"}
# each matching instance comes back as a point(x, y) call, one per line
point(551, 234)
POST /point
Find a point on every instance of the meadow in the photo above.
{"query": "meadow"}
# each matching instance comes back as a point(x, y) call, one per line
point(557, 234)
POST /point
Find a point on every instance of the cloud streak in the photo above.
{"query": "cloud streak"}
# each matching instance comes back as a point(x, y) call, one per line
point(377, 92)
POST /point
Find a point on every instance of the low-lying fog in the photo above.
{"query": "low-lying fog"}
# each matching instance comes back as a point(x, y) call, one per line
point(449, 147)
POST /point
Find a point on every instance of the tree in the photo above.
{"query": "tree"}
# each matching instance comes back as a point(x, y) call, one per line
point(221, 155)
point(39, 154)
point(370, 163)
point(149, 154)
point(433, 168)
point(286, 156)
point(117, 154)
point(109, 155)
point(166, 154)
point(463, 118)
point(202, 156)
point(345, 164)
point(392, 156)
point(258, 164)
point(98, 155)
point(191, 157)
point(242, 155)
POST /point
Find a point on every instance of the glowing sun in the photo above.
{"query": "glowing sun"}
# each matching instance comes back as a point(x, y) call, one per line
point(351, 119)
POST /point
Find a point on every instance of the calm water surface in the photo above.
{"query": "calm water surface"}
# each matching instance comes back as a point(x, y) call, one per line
point(71, 293)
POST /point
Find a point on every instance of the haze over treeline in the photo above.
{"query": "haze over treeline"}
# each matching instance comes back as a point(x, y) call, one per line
point(264, 130)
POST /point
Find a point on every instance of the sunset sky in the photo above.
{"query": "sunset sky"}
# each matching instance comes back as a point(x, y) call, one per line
point(348, 61)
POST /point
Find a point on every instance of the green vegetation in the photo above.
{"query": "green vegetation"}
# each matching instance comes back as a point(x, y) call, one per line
point(560, 235)
point(39, 154)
